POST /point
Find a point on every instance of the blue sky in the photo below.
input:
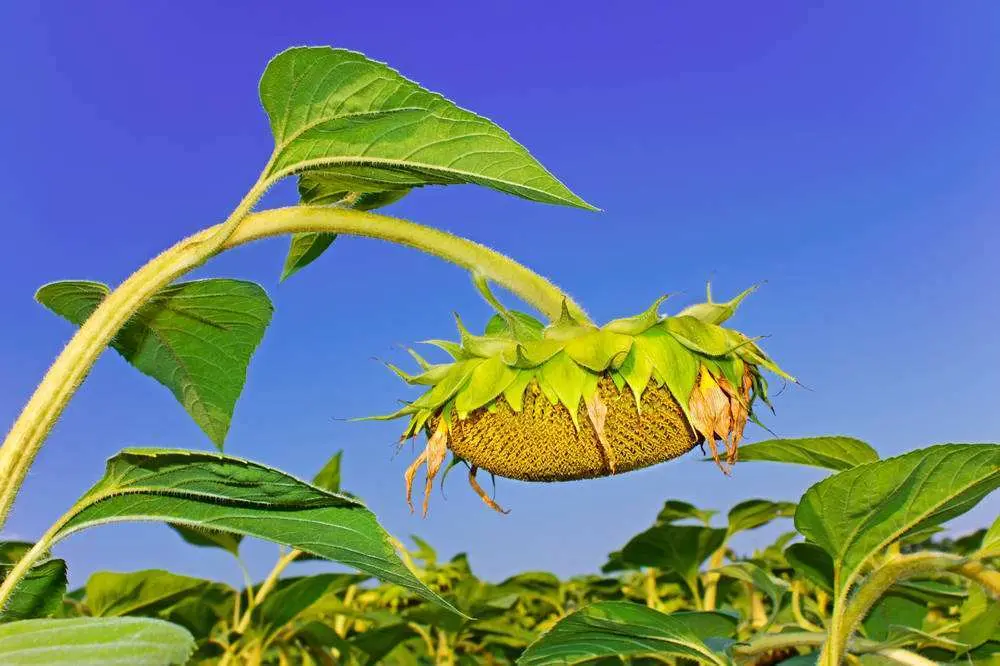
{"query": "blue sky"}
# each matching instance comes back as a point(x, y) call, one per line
point(848, 154)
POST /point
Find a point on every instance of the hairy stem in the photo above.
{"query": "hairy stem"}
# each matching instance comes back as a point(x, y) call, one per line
point(712, 578)
point(71, 367)
point(849, 615)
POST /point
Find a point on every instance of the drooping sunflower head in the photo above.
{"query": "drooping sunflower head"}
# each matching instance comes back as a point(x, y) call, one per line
point(571, 400)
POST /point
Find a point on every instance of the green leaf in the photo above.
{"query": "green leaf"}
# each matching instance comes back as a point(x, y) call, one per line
point(680, 548)
point(293, 597)
point(195, 338)
point(856, 513)
point(754, 513)
point(328, 478)
point(11, 552)
point(235, 495)
point(365, 128)
point(566, 379)
point(38, 594)
point(990, 546)
point(599, 349)
point(835, 453)
point(88, 641)
point(112, 594)
point(639, 323)
point(980, 618)
point(622, 629)
point(748, 572)
point(306, 247)
point(209, 538)
point(377, 643)
point(676, 510)
point(893, 611)
point(812, 563)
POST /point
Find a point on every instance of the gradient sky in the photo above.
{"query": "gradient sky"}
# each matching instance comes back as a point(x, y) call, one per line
point(848, 154)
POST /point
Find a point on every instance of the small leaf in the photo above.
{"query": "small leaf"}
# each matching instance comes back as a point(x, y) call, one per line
point(305, 248)
point(209, 538)
point(89, 641)
point(366, 128)
point(637, 369)
point(680, 548)
point(226, 493)
point(195, 338)
point(675, 510)
point(980, 618)
point(112, 594)
point(990, 547)
point(892, 611)
point(922, 488)
point(328, 478)
point(812, 563)
point(623, 629)
point(293, 597)
point(754, 513)
point(835, 453)
point(38, 594)
point(748, 572)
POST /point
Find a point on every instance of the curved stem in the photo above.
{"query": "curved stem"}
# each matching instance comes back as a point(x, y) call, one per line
point(72, 365)
point(851, 614)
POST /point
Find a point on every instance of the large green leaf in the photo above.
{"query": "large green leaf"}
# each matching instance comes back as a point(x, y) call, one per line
point(38, 594)
point(361, 127)
point(236, 495)
point(195, 338)
point(892, 612)
point(827, 452)
point(679, 548)
point(622, 629)
point(112, 594)
point(856, 513)
point(755, 513)
point(88, 641)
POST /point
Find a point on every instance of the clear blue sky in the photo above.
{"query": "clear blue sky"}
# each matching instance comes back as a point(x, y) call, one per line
point(849, 154)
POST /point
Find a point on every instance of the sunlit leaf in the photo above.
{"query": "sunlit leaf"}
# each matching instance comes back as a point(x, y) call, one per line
point(675, 510)
point(835, 453)
point(88, 641)
point(856, 513)
point(362, 127)
point(748, 572)
point(328, 478)
point(680, 548)
point(622, 629)
point(812, 563)
point(195, 338)
point(111, 594)
point(232, 494)
point(39, 593)
point(755, 513)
